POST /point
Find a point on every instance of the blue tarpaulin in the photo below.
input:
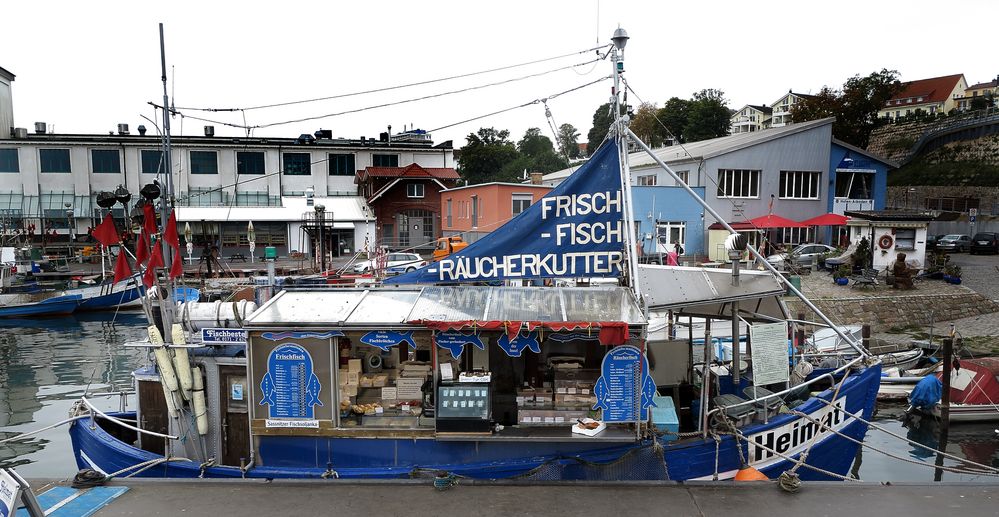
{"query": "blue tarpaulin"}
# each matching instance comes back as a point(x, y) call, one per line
point(927, 393)
point(575, 231)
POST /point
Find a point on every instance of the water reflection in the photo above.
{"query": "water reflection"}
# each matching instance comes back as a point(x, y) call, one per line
point(47, 364)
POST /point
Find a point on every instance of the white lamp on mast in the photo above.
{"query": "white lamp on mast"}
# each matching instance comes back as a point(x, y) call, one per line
point(188, 243)
point(251, 235)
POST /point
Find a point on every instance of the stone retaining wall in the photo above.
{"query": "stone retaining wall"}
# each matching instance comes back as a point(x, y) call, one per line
point(885, 312)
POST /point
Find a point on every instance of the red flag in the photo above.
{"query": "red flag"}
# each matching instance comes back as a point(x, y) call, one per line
point(105, 233)
point(141, 248)
point(177, 267)
point(170, 233)
point(121, 268)
point(149, 219)
point(155, 261)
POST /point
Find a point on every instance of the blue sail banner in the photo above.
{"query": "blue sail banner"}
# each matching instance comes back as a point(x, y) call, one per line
point(576, 230)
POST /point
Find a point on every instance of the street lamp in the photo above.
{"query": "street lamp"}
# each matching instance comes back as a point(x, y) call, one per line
point(251, 235)
point(69, 216)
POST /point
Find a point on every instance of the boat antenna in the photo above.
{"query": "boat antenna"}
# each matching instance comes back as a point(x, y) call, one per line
point(166, 304)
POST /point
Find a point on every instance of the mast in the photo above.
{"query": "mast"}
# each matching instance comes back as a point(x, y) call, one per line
point(166, 304)
point(620, 129)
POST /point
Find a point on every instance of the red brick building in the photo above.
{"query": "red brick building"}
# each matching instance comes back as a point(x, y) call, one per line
point(406, 202)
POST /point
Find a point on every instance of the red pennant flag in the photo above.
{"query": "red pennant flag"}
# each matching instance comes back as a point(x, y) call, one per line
point(170, 233)
point(155, 261)
point(141, 248)
point(121, 268)
point(177, 266)
point(106, 233)
point(149, 219)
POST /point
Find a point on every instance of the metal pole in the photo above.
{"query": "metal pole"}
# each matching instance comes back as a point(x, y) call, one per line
point(707, 208)
point(166, 304)
point(948, 358)
point(706, 378)
point(621, 128)
point(736, 353)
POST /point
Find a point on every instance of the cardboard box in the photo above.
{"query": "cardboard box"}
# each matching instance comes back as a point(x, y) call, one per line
point(354, 365)
point(353, 378)
point(366, 381)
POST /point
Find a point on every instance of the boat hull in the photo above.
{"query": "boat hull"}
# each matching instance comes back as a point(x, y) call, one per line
point(56, 306)
point(121, 295)
point(307, 457)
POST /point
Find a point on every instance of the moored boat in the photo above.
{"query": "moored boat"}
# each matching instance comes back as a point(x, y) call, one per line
point(31, 305)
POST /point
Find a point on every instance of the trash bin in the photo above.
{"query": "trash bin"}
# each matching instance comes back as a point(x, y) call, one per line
point(795, 280)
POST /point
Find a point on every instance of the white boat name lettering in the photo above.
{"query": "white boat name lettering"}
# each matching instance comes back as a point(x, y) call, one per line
point(785, 439)
point(532, 265)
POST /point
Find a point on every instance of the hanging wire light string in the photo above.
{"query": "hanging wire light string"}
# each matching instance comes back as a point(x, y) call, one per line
point(382, 105)
point(400, 86)
point(194, 195)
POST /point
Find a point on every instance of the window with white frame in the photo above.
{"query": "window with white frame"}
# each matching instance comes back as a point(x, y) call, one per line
point(744, 183)
point(414, 190)
point(669, 234)
point(905, 238)
point(648, 180)
point(795, 235)
point(520, 202)
point(799, 184)
point(684, 176)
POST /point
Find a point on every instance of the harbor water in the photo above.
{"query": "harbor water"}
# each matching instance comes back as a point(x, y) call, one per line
point(46, 365)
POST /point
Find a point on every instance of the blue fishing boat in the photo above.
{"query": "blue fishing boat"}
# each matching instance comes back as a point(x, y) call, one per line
point(32, 305)
point(459, 371)
point(110, 295)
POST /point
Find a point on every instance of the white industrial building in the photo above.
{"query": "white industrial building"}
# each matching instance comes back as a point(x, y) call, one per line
point(50, 181)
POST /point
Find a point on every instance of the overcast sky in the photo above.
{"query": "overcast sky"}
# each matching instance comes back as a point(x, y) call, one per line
point(84, 68)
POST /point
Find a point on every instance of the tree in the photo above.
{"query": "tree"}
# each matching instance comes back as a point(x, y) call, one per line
point(534, 143)
point(674, 116)
point(537, 155)
point(568, 141)
point(602, 120)
point(646, 126)
point(980, 103)
point(708, 116)
point(486, 155)
point(855, 107)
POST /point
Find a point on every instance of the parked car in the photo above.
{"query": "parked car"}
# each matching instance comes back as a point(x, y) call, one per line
point(932, 240)
point(985, 242)
point(396, 263)
point(801, 255)
point(954, 242)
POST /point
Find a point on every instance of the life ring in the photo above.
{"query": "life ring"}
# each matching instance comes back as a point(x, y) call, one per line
point(885, 241)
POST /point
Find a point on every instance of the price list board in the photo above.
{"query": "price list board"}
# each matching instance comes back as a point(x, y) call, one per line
point(292, 379)
point(620, 373)
point(464, 401)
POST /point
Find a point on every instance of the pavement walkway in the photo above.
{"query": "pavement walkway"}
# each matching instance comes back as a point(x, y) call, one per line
point(223, 498)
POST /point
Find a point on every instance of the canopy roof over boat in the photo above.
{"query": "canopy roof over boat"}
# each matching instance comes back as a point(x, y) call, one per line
point(708, 292)
point(387, 307)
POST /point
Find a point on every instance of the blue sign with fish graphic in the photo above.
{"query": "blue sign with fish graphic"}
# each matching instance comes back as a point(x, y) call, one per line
point(386, 339)
point(616, 390)
point(455, 341)
point(515, 347)
point(290, 387)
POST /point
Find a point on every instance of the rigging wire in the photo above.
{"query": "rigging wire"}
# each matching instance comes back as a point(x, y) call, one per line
point(400, 86)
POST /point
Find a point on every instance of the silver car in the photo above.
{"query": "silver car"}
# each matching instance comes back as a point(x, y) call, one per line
point(954, 242)
point(801, 255)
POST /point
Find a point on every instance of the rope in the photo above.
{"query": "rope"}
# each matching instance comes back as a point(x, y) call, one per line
point(917, 444)
point(46, 428)
point(788, 458)
point(444, 481)
point(89, 478)
point(804, 455)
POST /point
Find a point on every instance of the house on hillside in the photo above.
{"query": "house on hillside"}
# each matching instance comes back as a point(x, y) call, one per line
point(751, 118)
point(989, 90)
point(934, 95)
point(780, 115)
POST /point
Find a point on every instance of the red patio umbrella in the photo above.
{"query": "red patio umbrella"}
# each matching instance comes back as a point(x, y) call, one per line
point(826, 220)
point(775, 221)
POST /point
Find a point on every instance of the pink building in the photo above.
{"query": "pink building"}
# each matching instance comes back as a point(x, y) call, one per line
point(476, 210)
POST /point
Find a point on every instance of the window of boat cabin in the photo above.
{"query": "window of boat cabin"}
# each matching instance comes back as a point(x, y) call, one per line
point(383, 385)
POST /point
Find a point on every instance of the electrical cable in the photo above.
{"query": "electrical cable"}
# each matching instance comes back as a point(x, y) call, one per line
point(396, 87)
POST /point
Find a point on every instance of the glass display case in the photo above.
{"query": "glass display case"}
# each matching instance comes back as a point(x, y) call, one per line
point(464, 407)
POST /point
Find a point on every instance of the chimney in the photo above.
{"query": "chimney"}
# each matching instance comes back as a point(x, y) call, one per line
point(40, 128)
point(122, 129)
point(209, 131)
point(536, 178)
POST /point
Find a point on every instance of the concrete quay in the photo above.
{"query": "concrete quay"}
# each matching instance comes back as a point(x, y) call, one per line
point(414, 498)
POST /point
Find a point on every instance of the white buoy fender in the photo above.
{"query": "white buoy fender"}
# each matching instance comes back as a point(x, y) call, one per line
point(200, 410)
point(170, 402)
point(163, 361)
point(195, 316)
point(181, 362)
